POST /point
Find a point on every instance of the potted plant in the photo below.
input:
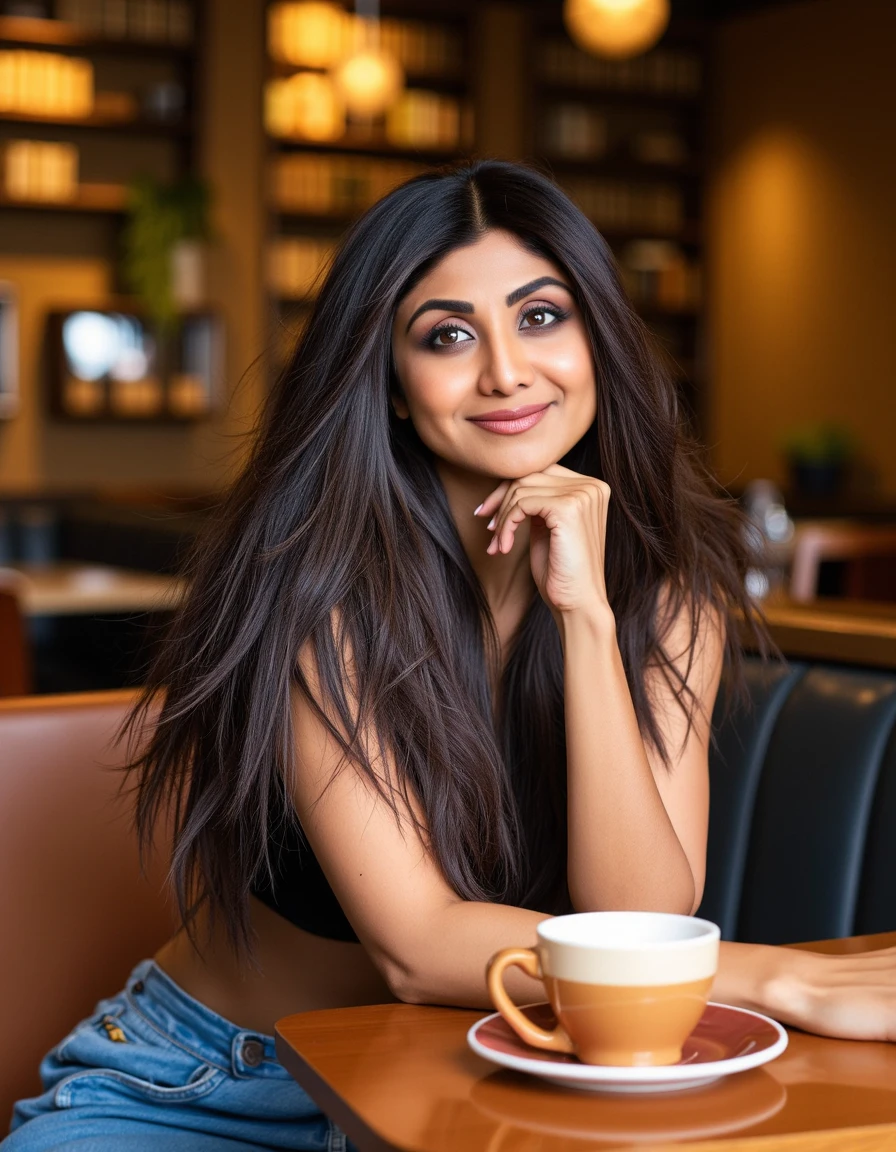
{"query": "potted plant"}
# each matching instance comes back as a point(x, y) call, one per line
point(165, 231)
point(819, 456)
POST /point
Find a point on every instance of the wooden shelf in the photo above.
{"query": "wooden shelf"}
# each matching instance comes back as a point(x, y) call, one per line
point(98, 122)
point(315, 219)
point(621, 167)
point(687, 102)
point(102, 198)
point(32, 32)
point(689, 236)
point(657, 312)
point(434, 81)
point(381, 150)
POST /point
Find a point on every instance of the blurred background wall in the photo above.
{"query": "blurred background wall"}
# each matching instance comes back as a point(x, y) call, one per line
point(801, 233)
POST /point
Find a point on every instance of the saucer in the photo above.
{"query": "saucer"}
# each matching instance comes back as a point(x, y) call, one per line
point(726, 1040)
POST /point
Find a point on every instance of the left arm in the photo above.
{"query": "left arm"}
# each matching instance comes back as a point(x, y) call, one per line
point(637, 827)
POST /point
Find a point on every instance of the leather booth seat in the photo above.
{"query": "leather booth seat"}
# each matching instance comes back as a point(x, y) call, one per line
point(801, 842)
point(802, 828)
point(75, 911)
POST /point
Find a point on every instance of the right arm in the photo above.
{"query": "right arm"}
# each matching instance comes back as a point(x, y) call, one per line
point(429, 944)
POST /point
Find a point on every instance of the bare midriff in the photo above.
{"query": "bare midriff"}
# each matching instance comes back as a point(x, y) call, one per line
point(294, 972)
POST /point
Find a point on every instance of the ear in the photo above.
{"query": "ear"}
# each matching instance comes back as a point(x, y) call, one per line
point(396, 396)
point(399, 406)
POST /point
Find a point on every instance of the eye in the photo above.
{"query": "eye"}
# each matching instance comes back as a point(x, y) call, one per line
point(542, 316)
point(446, 336)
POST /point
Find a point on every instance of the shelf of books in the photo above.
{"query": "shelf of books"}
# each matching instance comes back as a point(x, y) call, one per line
point(626, 139)
point(80, 79)
point(326, 167)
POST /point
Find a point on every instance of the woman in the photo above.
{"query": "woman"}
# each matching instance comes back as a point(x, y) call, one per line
point(462, 624)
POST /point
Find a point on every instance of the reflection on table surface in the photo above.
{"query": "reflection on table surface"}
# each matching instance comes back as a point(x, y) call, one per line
point(74, 589)
point(401, 1076)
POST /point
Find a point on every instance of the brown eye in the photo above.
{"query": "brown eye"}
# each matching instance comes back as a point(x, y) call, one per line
point(542, 317)
point(447, 337)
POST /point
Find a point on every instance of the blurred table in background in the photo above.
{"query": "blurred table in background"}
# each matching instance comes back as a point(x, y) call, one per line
point(72, 589)
point(845, 631)
point(89, 626)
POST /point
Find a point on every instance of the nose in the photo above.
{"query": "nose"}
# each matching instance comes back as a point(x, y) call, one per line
point(506, 367)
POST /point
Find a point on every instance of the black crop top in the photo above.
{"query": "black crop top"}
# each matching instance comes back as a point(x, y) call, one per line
point(300, 892)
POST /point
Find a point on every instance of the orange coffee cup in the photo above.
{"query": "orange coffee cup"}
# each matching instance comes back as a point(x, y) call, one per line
point(626, 987)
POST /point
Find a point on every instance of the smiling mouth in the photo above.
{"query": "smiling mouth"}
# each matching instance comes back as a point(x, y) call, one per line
point(511, 421)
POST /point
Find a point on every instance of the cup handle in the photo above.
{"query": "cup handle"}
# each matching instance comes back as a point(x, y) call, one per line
point(527, 959)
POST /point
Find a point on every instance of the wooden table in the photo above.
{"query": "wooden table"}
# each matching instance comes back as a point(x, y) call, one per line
point(73, 589)
point(401, 1077)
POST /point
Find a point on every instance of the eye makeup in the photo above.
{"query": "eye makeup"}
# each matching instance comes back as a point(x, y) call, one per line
point(461, 335)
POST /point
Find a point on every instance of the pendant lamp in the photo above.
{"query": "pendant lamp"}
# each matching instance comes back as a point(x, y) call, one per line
point(616, 28)
point(370, 80)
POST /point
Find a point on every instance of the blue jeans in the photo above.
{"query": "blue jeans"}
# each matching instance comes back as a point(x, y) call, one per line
point(153, 1068)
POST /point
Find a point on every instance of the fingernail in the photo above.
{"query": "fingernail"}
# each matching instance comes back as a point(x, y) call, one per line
point(492, 522)
point(479, 509)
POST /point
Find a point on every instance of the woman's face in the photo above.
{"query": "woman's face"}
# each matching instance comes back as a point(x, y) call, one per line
point(493, 360)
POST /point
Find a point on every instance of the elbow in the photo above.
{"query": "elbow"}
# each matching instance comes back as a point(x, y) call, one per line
point(402, 981)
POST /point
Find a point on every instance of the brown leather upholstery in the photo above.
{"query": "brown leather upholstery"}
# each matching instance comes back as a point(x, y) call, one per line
point(15, 653)
point(75, 913)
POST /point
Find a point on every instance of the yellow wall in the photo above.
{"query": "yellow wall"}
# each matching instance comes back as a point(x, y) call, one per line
point(802, 233)
point(36, 452)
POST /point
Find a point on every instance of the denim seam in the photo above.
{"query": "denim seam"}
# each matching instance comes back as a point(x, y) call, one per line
point(177, 1044)
point(337, 1141)
point(206, 1083)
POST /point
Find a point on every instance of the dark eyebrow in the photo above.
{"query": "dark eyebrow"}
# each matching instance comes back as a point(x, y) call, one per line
point(519, 293)
point(442, 306)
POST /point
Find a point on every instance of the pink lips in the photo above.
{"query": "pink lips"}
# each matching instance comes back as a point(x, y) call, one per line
point(510, 421)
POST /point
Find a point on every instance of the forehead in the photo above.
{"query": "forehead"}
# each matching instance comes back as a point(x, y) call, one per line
point(493, 265)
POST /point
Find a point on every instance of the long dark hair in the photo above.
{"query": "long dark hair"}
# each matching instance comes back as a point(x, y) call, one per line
point(338, 536)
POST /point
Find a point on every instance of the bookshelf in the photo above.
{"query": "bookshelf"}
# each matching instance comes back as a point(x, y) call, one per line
point(626, 139)
point(98, 75)
point(93, 94)
point(316, 187)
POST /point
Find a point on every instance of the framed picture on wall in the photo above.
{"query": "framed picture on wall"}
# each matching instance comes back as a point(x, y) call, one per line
point(9, 350)
point(111, 365)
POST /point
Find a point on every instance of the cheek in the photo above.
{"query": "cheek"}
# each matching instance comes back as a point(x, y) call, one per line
point(432, 390)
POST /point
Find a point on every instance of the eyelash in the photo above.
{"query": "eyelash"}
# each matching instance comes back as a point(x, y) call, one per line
point(429, 340)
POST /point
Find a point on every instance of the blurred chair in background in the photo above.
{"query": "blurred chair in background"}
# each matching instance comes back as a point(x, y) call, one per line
point(15, 651)
point(868, 552)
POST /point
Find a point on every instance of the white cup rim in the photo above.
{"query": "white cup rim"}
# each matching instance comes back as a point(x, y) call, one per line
point(705, 932)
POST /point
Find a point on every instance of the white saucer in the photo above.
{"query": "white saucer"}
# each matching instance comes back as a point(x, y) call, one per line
point(726, 1040)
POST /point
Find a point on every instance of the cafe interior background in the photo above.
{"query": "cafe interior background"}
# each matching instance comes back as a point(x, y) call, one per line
point(174, 173)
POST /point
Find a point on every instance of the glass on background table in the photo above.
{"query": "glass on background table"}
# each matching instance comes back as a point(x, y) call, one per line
point(401, 1078)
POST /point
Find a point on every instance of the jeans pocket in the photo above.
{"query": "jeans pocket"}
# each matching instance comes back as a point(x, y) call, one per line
point(115, 1051)
point(105, 1085)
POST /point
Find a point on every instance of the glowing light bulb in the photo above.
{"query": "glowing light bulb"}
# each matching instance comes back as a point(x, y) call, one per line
point(616, 28)
point(309, 34)
point(370, 81)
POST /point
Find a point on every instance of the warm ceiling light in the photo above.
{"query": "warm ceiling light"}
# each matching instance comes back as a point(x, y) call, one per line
point(370, 82)
point(306, 105)
point(309, 34)
point(616, 28)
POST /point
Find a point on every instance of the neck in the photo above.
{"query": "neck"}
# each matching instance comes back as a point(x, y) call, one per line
point(506, 579)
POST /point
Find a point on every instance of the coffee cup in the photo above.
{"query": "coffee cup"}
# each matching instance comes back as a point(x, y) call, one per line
point(627, 988)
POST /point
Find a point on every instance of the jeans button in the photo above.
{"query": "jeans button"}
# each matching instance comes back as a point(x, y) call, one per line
point(137, 988)
point(252, 1053)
